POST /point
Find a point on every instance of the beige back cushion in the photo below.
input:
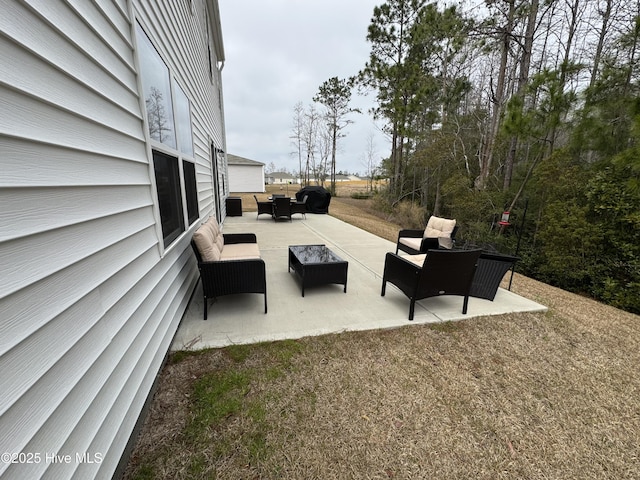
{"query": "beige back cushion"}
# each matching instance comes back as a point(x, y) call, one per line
point(219, 240)
point(212, 223)
point(439, 227)
point(205, 240)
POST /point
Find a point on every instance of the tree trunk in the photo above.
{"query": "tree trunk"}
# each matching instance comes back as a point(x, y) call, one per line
point(395, 165)
point(498, 102)
point(632, 56)
point(606, 15)
point(565, 64)
point(334, 135)
point(523, 78)
point(438, 199)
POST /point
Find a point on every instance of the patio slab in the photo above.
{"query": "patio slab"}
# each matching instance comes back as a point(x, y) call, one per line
point(240, 319)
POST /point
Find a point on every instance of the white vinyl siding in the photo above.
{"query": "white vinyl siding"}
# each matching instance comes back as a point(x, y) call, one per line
point(89, 299)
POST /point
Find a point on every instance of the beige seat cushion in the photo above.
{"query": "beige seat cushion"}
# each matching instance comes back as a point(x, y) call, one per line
point(439, 227)
point(417, 259)
point(411, 242)
point(240, 251)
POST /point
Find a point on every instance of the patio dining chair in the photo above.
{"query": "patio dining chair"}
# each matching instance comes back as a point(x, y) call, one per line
point(264, 208)
point(282, 208)
point(300, 207)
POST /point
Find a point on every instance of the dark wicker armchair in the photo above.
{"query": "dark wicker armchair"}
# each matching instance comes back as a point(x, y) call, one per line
point(415, 242)
point(443, 272)
point(227, 277)
point(264, 208)
point(426, 244)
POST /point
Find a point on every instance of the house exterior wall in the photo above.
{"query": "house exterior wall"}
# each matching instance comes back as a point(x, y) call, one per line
point(246, 178)
point(89, 297)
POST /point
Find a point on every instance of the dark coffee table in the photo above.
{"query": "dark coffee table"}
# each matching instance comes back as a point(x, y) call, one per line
point(317, 265)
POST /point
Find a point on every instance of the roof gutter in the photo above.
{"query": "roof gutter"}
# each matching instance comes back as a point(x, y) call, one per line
point(216, 27)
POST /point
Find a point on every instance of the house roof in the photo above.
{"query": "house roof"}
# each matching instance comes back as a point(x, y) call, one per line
point(218, 44)
point(236, 160)
point(279, 175)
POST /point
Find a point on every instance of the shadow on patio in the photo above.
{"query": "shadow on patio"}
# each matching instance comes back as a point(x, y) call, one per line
point(240, 319)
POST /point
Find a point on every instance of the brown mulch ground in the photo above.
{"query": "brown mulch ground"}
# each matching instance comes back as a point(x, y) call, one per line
point(533, 396)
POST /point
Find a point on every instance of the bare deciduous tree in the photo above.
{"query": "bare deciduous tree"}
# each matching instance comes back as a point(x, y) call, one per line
point(156, 115)
point(370, 161)
point(309, 139)
point(297, 134)
point(498, 94)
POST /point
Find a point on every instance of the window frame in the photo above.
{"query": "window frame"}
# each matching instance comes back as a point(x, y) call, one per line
point(191, 194)
point(186, 199)
point(169, 190)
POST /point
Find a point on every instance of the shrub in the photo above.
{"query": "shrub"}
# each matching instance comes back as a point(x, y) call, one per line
point(361, 195)
point(409, 215)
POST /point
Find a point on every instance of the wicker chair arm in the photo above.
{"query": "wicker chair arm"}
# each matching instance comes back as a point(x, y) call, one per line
point(410, 233)
point(401, 272)
point(428, 243)
point(397, 264)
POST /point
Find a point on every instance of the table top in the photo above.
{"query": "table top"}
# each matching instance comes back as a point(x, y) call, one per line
point(488, 252)
point(314, 254)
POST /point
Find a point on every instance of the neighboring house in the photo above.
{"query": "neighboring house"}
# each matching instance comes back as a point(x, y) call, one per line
point(339, 178)
point(111, 154)
point(245, 175)
point(281, 178)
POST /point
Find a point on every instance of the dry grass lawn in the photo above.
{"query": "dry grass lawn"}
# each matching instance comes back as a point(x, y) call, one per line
point(528, 396)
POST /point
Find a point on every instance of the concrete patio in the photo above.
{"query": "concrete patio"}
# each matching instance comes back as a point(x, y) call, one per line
point(240, 319)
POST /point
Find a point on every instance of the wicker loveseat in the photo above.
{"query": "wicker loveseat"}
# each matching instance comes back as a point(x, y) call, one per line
point(228, 263)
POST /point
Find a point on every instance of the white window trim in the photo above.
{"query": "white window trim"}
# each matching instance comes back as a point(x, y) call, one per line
point(152, 144)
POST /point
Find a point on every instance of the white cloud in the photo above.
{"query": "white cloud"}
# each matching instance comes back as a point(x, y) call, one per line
point(278, 52)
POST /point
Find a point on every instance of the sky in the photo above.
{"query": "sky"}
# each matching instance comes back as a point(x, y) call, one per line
point(278, 53)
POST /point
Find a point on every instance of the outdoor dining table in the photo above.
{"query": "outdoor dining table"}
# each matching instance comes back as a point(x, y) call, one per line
point(271, 199)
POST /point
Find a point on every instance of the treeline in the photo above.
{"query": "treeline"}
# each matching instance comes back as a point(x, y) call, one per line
point(514, 103)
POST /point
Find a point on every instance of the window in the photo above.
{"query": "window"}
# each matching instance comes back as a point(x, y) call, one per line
point(169, 196)
point(157, 91)
point(183, 121)
point(169, 125)
point(189, 169)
